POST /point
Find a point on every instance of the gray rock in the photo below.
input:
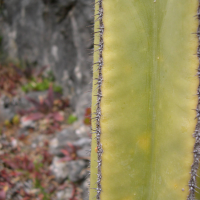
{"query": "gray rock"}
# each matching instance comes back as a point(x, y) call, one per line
point(82, 142)
point(7, 110)
point(9, 107)
point(25, 104)
point(61, 140)
point(60, 169)
point(64, 194)
point(24, 124)
point(77, 170)
point(83, 102)
point(82, 130)
point(55, 33)
point(84, 152)
point(67, 134)
point(13, 192)
point(85, 186)
point(83, 145)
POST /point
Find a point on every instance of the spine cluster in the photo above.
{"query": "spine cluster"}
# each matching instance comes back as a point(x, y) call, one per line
point(99, 79)
point(194, 168)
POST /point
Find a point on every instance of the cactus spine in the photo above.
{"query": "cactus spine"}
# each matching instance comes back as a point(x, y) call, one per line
point(143, 96)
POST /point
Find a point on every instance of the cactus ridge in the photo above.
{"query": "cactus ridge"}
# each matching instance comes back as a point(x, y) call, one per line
point(98, 80)
point(194, 168)
point(96, 129)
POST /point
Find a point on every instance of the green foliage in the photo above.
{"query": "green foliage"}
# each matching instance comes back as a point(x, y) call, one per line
point(38, 81)
point(38, 185)
point(57, 88)
point(38, 164)
point(71, 119)
point(40, 86)
point(50, 76)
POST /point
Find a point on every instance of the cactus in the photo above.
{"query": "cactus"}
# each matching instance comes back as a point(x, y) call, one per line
point(144, 104)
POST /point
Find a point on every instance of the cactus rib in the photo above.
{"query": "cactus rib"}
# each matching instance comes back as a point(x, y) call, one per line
point(98, 82)
point(196, 135)
point(143, 86)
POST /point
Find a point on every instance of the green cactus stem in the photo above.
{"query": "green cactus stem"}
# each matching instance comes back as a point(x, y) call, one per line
point(144, 104)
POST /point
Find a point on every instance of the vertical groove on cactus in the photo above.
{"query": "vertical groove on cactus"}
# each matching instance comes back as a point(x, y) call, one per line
point(194, 169)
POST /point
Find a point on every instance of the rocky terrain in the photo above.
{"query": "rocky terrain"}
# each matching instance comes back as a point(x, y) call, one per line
point(54, 33)
point(45, 69)
point(44, 141)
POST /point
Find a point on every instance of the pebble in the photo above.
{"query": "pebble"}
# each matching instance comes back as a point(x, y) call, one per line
point(83, 131)
point(77, 170)
point(64, 194)
point(71, 169)
point(60, 141)
point(60, 169)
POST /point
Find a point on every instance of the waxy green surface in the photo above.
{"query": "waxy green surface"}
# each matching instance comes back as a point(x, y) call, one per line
point(149, 88)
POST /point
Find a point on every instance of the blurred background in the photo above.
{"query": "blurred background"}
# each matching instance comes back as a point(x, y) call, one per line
point(45, 96)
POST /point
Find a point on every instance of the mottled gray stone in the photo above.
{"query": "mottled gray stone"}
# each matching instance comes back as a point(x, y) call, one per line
point(82, 130)
point(65, 194)
point(9, 107)
point(83, 145)
point(60, 141)
point(60, 169)
point(85, 186)
point(84, 152)
point(56, 33)
point(25, 104)
point(75, 170)
point(7, 111)
point(83, 102)
point(82, 142)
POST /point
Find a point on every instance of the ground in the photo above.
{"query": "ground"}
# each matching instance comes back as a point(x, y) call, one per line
point(44, 143)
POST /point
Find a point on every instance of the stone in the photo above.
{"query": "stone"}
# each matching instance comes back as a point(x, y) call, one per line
point(83, 102)
point(7, 111)
point(9, 107)
point(24, 104)
point(60, 169)
point(65, 194)
point(61, 140)
point(25, 124)
point(85, 186)
point(83, 130)
point(82, 142)
point(77, 170)
point(13, 192)
point(55, 33)
point(84, 152)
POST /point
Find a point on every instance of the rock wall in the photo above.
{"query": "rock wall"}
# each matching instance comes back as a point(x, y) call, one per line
point(57, 33)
